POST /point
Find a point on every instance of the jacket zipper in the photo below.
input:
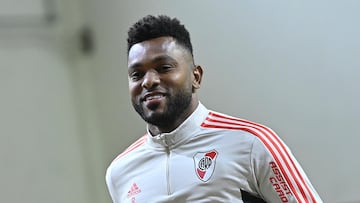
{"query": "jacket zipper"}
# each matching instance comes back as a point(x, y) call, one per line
point(168, 170)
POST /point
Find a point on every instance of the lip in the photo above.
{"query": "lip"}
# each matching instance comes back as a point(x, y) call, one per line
point(152, 95)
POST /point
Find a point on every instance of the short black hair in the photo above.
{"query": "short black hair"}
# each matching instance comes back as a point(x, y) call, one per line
point(150, 27)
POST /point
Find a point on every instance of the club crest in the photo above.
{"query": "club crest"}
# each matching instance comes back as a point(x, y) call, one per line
point(205, 164)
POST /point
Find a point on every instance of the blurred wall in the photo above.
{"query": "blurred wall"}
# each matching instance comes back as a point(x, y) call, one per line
point(66, 114)
point(48, 148)
point(41, 151)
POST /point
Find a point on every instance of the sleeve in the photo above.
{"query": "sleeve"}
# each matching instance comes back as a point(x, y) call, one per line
point(110, 185)
point(279, 177)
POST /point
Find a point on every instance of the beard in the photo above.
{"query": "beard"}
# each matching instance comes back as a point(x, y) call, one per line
point(176, 106)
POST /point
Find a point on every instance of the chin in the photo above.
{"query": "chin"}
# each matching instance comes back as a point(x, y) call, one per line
point(153, 115)
point(158, 118)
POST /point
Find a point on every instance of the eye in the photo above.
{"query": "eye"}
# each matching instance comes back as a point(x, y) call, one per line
point(165, 68)
point(135, 76)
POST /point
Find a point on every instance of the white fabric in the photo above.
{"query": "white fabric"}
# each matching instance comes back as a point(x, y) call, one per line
point(209, 158)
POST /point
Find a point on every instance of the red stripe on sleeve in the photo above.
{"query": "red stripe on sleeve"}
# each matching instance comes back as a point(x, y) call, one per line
point(273, 143)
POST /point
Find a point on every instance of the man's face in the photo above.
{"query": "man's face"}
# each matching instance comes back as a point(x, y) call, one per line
point(160, 80)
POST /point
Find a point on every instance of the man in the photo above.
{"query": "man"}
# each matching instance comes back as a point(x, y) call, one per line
point(190, 153)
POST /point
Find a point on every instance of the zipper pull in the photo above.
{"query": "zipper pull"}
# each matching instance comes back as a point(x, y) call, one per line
point(163, 139)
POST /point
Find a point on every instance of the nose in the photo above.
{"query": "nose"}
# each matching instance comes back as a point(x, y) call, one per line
point(150, 80)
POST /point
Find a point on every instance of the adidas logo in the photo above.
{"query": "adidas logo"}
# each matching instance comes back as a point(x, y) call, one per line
point(134, 190)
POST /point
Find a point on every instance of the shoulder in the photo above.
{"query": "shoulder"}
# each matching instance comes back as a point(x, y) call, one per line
point(223, 121)
point(257, 132)
point(123, 158)
point(137, 144)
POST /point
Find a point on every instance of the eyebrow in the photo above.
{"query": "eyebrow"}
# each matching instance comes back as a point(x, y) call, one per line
point(154, 60)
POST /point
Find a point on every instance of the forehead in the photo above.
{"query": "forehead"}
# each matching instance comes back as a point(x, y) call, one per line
point(148, 50)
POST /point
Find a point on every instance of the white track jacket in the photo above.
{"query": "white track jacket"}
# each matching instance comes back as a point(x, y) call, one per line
point(211, 157)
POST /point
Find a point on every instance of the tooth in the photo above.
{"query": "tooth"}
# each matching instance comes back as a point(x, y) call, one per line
point(154, 97)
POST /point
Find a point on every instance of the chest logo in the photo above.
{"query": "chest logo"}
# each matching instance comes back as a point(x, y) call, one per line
point(134, 190)
point(205, 164)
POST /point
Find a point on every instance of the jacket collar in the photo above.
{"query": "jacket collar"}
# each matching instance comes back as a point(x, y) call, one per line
point(189, 128)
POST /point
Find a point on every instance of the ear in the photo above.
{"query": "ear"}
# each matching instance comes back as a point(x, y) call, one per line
point(197, 73)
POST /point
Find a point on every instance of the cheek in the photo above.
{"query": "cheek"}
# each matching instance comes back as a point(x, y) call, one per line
point(182, 81)
point(181, 77)
point(134, 90)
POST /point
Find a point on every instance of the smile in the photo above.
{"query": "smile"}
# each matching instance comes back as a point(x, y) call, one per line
point(158, 96)
point(154, 95)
